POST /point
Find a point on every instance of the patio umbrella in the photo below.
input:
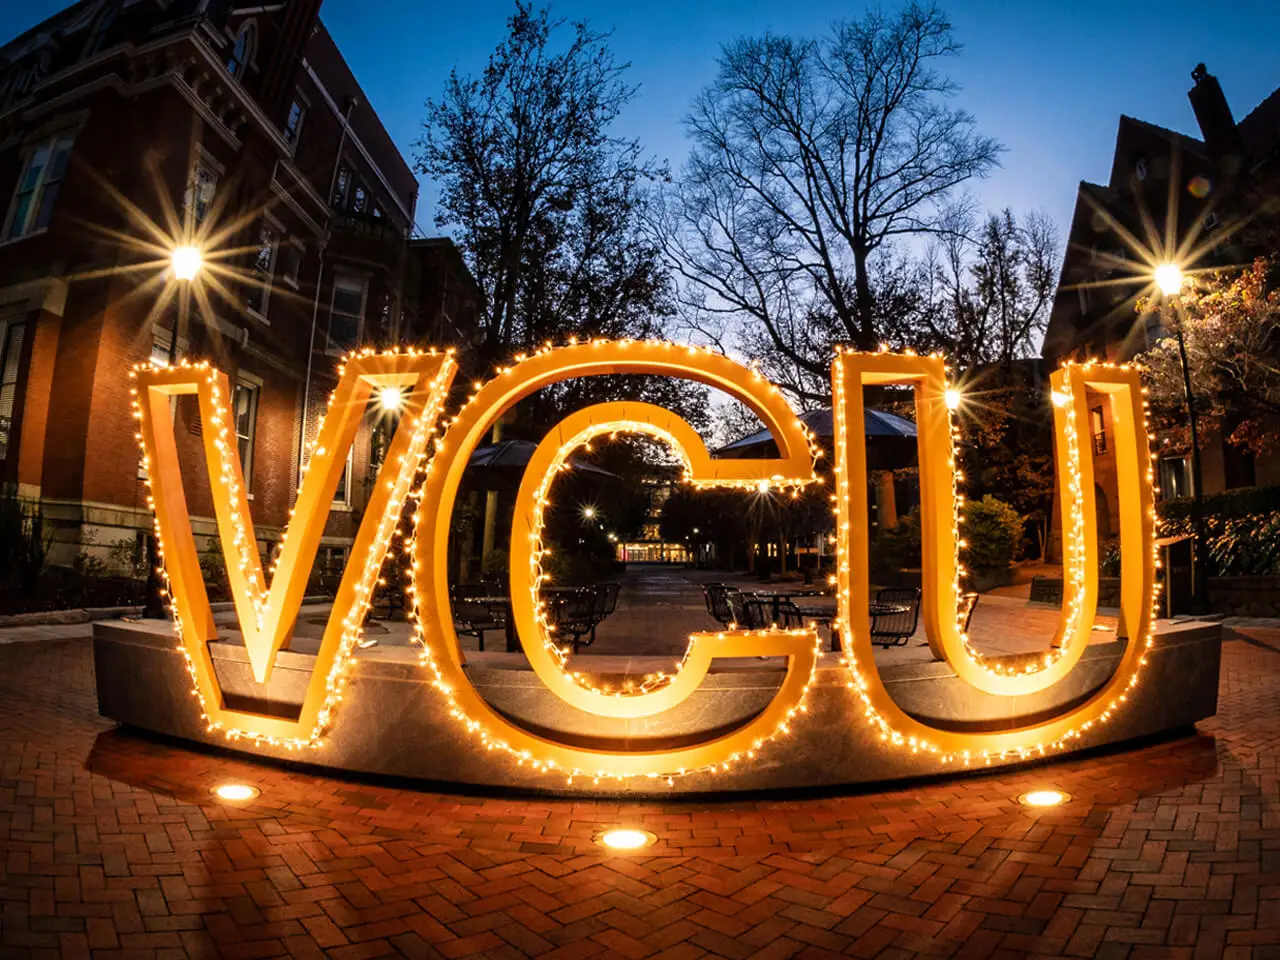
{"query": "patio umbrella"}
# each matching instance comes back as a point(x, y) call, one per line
point(891, 439)
point(502, 461)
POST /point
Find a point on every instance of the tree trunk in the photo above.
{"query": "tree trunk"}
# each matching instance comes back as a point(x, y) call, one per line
point(864, 302)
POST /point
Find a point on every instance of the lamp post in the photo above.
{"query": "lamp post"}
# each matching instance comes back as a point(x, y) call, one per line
point(185, 262)
point(1169, 279)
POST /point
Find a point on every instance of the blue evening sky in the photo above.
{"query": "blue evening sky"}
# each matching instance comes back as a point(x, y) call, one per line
point(1048, 79)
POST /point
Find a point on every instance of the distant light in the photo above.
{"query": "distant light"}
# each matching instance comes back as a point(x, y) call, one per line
point(695, 530)
point(589, 512)
point(391, 398)
point(186, 262)
point(953, 397)
point(1168, 277)
point(235, 791)
point(1043, 798)
point(626, 838)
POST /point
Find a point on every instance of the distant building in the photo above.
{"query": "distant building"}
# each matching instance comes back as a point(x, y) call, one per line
point(649, 547)
point(125, 127)
point(1210, 180)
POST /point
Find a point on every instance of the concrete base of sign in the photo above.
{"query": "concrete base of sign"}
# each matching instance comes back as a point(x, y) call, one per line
point(392, 722)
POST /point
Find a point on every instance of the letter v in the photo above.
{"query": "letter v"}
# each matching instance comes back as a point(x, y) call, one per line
point(267, 615)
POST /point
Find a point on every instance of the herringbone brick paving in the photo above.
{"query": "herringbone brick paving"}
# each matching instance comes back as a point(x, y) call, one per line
point(111, 846)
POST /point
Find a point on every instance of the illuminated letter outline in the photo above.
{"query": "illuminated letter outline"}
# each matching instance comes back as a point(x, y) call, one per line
point(850, 371)
point(267, 616)
point(441, 650)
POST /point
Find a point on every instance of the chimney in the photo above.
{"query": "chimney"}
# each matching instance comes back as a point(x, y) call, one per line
point(1213, 114)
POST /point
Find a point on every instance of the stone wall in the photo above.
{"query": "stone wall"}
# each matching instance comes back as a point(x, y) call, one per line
point(1049, 590)
point(1245, 596)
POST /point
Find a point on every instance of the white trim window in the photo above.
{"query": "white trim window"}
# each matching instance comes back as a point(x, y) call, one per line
point(290, 261)
point(341, 187)
point(342, 492)
point(245, 413)
point(243, 50)
point(37, 189)
point(201, 186)
point(12, 333)
point(293, 123)
point(160, 337)
point(264, 265)
point(346, 310)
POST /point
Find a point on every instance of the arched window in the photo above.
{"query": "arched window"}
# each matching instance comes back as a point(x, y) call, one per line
point(242, 52)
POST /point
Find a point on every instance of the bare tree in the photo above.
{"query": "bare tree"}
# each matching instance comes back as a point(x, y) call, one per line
point(810, 157)
point(544, 200)
point(989, 295)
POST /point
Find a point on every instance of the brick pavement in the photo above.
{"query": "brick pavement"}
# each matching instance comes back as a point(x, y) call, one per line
point(111, 846)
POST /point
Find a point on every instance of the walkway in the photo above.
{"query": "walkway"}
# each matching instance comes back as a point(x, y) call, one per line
point(111, 846)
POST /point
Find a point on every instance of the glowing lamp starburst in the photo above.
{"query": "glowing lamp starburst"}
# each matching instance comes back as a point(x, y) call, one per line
point(186, 262)
point(1168, 278)
point(391, 398)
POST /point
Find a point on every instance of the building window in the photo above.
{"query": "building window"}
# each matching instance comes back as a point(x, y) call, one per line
point(360, 199)
point(1175, 478)
point(342, 492)
point(32, 206)
point(291, 263)
point(346, 312)
point(341, 186)
point(1098, 424)
point(11, 335)
point(246, 414)
point(293, 123)
point(200, 190)
point(242, 52)
point(160, 339)
point(1237, 467)
point(263, 269)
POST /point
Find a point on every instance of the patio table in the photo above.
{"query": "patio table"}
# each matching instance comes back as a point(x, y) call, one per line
point(500, 605)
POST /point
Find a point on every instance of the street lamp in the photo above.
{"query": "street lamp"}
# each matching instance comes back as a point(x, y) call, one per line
point(1169, 279)
point(391, 398)
point(186, 262)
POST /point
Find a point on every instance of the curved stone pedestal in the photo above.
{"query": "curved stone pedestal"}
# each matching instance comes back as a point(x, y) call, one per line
point(392, 722)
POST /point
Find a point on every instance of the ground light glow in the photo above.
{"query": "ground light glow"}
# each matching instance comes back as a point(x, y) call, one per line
point(1047, 797)
point(235, 791)
point(626, 838)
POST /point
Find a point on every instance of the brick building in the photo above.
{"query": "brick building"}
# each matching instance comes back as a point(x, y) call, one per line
point(1211, 181)
point(129, 127)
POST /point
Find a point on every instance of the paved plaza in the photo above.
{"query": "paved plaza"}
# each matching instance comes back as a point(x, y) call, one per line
point(112, 846)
